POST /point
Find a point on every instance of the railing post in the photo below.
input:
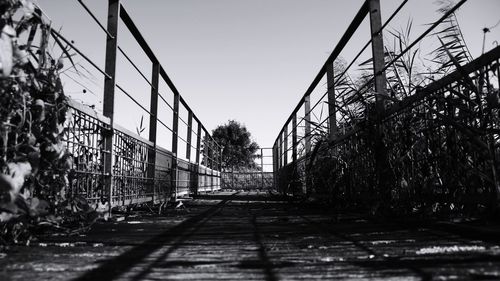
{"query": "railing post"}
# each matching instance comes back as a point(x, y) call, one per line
point(285, 145)
point(198, 144)
point(262, 166)
point(188, 147)
point(378, 55)
point(295, 175)
point(109, 93)
point(206, 148)
point(280, 160)
point(175, 139)
point(294, 137)
point(332, 110)
point(280, 148)
point(307, 119)
point(211, 158)
point(220, 167)
point(220, 159)
point(189, 133)
point(210, 153)
point(307, 133)
point(198, 148)
point(275, 165)
point(153, 123)
point(383, 175)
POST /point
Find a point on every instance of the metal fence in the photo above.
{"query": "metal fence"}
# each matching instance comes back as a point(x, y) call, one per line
point(259, 178)
point(248, 181)
point(116, 165)
point(435, 148)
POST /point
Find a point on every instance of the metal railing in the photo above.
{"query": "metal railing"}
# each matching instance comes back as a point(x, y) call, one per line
point(113, 164)
point(259, 178)
point(435, 148)
point(248, 181)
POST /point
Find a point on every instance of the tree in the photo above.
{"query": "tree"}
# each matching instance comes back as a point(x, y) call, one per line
point(238, 149)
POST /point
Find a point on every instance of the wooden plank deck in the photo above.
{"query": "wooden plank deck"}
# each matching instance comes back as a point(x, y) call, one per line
point(252, 240)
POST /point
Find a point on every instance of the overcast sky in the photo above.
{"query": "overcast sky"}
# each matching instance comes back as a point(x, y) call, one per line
point(233, 59)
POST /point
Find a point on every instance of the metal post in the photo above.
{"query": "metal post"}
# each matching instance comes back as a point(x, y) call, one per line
point(280, 161)
point(206, 150)
point(275, 165)
point(175, 139)
point(295, 176)
point(153, 123)
point(188, 147)
point(307, 117)
point(109, 93)
point(198, 147)
point(210, 162)
point(495, 160)
point(383, 175)
point(220, 159)
point(332, 110)
point(189, 133)
point(262, 166)
point(378, 55)
point(294, 138)
point(220, 168)
point(198, 144)
point(285, 145)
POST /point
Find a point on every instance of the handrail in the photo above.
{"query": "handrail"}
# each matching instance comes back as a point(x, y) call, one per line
point(339, 47)
point(353, 26)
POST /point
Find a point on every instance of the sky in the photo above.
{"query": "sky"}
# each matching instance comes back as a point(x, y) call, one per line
point(250, 61)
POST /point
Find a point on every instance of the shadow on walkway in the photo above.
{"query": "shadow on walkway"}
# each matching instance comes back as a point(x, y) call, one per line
point(115, 267)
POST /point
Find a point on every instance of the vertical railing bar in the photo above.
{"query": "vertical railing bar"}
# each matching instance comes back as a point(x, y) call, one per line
point(189, 135)
point(262, 166)
point(381, 162)
point(285, 145)
point(332, 110)
point(307, 133)
point(294, 151)
point(175, 134)
point(294, 138)
point(153, 124)
point(307, 118)
point(198, 143)
point(189, 147)
point(109, 93)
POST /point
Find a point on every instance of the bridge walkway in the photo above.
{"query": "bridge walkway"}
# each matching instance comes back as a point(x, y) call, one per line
point(264, 238)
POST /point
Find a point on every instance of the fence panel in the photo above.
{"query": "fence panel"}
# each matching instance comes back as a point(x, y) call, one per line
point(248, 180)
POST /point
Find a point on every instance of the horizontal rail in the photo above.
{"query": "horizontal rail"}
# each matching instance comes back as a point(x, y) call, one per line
point(356, 22)
point(115, 163)
point(95, 19)
point(59, 36)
